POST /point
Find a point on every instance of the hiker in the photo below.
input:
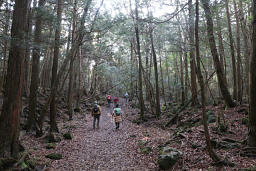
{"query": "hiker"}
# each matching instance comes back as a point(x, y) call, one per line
point(115, 101)
point(96, 112)
point(109, 100)
point(126, 97)
point(117, 115)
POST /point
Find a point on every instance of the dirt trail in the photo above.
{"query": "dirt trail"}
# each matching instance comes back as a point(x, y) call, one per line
point(107, 148)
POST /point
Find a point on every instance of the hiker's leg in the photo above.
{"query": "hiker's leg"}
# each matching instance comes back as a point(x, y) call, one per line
point(98, 123)
point(118, 124)
point(94, 120)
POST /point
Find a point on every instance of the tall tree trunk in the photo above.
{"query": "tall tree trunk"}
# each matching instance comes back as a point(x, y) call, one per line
point(131, 71)
point(202, 86)
point(10, 115)
point(186, 75)
point(192, 56)
point(232, 50)
point(141, 100)
point(162, 78)
point(239, 62)
point(252, 101)
point(168, 76)
point(35, 69)
point(247, 44)
point(182, 79)
point(5, 45)
point(221, 46)
point(27, 55)
point(223, 87)
point(71, 65)
point(79, 81)
point(158, 109)
point(53, 105)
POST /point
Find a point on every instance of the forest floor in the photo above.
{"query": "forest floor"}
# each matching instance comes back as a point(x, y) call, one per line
point(101, 149)
point(137, 144)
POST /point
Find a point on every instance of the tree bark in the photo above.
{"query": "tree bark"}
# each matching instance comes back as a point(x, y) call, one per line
point(252, 101)
point(79, 81)
point(71, 65)
point(223, 87)
point(27, 55)
point(186, 75)
point(232, 50)
point(158, 108)
point(202, 86)
point(239, 62)
point(221, 46)
point(53, 105)
point(247, 44)
point(141, 100)
point(5, 45)
point(35, 69)
point(10, 115)
point(192, 56)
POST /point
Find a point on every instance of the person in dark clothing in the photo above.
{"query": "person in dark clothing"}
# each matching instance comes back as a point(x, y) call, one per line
point(96, 112)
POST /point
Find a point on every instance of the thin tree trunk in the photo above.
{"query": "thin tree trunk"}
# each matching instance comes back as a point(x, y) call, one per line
point(10, 115)
point(141, 100)
point(158, 109)
point(212, 154)
point(239, 77)
point(162, 79)
point(186, 75)
point(232, 50)
point(168, 76)
point(71, 65)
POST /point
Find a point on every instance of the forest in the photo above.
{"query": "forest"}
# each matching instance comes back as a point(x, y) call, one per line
point(170, 85)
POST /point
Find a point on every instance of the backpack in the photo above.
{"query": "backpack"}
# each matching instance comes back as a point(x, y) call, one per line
point(108, 97)
point(117, 111)
point(95, 109)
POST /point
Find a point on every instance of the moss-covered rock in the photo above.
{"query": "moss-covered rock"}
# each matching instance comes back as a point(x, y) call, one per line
point(54, 156)
point(67, 136)
point(168, 157)
point(51, 146)
point(146, 150)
